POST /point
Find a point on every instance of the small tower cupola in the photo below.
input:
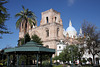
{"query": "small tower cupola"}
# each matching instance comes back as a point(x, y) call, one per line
point(80, 31)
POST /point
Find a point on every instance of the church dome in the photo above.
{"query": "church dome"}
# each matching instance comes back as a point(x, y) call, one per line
point(71, 30)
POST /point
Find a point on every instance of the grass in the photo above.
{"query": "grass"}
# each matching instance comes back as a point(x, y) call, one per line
point(73, 66)
point(57, 65)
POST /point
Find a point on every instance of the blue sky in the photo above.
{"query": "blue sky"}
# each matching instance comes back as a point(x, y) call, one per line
point(76, 10)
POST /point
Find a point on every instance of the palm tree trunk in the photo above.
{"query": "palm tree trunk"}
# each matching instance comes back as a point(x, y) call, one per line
point(25, 29)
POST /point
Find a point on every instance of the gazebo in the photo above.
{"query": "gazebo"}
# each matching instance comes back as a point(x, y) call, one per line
point(30, 48)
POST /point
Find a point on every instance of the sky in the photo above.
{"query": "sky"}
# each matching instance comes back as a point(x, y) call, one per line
point(76, 10)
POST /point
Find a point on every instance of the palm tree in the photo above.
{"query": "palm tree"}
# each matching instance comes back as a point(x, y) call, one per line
point(3, 11)
point(3, 17)
point(25, 16)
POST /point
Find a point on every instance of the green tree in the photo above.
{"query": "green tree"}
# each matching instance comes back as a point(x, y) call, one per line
point(24, 40)
point(3, 17)
point(25, 16)
point(27, 38)
point(92, 38)
point(80, 53)
point(20, 41)
point(69, 53)
point(36, 39)
point(56, 58)
point(45, 57)
point(62, 57)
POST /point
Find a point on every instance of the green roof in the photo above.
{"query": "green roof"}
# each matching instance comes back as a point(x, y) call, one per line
point(30, 46)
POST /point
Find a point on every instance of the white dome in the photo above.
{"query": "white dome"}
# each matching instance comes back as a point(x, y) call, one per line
point(71, 30)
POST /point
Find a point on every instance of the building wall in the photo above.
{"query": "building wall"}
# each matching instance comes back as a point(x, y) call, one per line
point(53, 24)
point(60, 48)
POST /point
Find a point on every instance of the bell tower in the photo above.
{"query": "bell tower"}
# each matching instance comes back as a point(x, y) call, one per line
point(52, 28)
point(50, 16)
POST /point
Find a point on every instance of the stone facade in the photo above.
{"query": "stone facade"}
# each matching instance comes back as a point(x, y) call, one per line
point(50, 30)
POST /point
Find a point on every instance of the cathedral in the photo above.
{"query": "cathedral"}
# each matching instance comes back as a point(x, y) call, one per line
point(52, 33)
point(51, 30)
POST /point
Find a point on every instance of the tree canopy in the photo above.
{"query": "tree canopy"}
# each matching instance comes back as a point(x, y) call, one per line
point(27, 38)
point(25, 16)
point(36, 39)
point(24, 40)
point(69, 53)
point(3, 17)
point(92, 38)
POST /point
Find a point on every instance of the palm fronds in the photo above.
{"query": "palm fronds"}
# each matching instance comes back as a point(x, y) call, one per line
point(26, 15)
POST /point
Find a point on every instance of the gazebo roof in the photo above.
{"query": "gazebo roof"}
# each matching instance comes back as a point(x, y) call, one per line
point(30, 47)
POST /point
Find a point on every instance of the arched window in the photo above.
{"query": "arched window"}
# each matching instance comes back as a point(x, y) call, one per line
point(57, 31)
point(47, 19)
point(47, 32)
point(55, 19)
point(59, 47)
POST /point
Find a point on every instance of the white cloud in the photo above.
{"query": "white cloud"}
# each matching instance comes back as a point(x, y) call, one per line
point(70, 2)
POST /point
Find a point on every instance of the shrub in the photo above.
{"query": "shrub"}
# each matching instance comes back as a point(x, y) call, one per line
point(1, 64)
point(46, 64)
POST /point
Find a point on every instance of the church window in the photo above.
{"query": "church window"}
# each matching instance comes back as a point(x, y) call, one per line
point(57, 31)
point(59, 47)
point(47, 19)
point(47, 33)
point(55, 18)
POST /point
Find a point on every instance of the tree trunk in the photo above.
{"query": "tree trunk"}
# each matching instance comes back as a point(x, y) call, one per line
point(93, 60)
point(25, 29)
point(25, 26)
